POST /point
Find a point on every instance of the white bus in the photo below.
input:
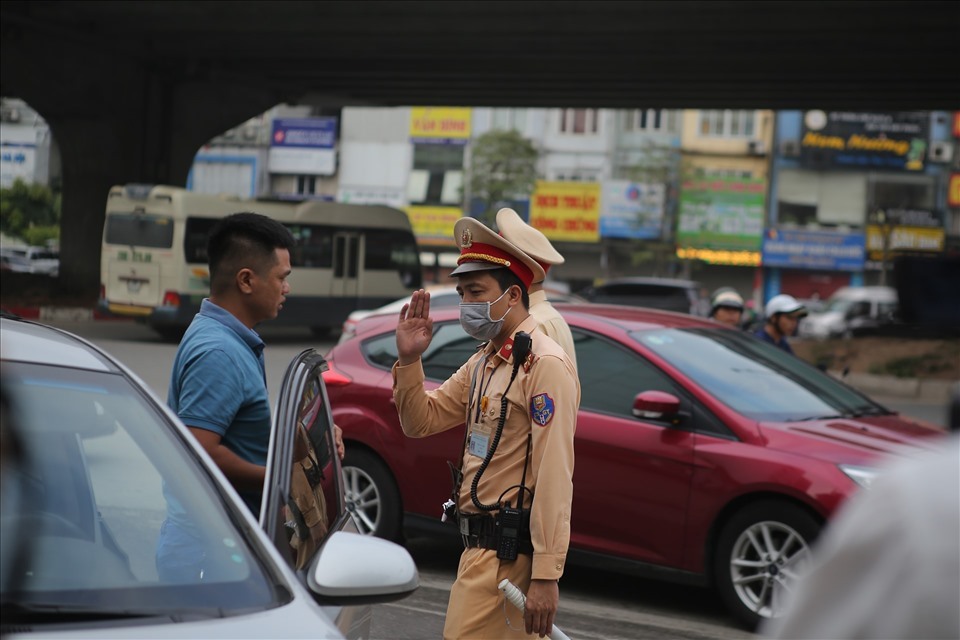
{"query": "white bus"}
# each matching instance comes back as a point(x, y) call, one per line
point(154, 258)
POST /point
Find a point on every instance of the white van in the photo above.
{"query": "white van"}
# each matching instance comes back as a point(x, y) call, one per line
point(852, 311)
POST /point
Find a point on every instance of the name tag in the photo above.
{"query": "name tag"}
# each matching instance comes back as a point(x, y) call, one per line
point(479, 443)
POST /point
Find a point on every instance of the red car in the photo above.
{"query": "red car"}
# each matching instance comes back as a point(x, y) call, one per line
point(703, 455)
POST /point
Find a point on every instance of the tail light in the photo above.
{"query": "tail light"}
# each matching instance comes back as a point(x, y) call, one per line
point(334, 378)
point(171, 299)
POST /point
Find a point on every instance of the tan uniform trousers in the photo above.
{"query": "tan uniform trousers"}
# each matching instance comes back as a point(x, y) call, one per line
point(477, 608)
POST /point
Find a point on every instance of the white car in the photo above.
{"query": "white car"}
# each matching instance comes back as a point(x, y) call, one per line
point(83, 508)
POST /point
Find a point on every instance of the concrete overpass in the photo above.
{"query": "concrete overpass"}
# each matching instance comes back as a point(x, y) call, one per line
point(133, 89)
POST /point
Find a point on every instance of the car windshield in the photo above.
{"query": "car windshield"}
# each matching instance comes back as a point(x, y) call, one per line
point(754, 378)
point(105, 469)
point(839, 305)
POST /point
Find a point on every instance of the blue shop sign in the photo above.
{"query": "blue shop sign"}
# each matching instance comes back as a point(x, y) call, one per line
point(826, 250)
point(313, 133)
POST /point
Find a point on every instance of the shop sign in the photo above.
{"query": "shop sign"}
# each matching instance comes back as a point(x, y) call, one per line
point(720, 256)
point(309, 133)
point(17, 162)
point(434, 225)
point(822, 250)
point(722, 214)
point(631, 209)
point(449, 125)
point(903, 239)
point(303, 146)
point(891, 141)
point(953, 190)
point(904, 217)
point(566, 211)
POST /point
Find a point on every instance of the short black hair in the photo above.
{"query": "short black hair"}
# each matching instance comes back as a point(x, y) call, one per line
point(506, 279)
point(243, 240)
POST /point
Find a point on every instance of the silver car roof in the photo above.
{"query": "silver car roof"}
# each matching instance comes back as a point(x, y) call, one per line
point(25, 341)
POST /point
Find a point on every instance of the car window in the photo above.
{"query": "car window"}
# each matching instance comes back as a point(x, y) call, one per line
point(611, 376)
point(109, 477)
point(753, 377)
point(450, 348)
point(306, 499)
point(665, 297)
point(859, 309)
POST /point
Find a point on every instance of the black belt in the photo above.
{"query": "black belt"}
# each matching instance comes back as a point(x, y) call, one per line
point(481, 531)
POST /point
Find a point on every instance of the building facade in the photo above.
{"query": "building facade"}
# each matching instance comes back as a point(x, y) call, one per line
point(762, 201)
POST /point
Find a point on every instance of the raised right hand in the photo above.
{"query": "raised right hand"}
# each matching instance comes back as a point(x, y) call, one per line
point(415, 329)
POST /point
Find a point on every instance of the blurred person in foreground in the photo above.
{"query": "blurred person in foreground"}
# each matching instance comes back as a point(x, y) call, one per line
point(218, 385)
point(533, 243)
point(888, 566)
point(518, 396)
point(783, 314)
point(726, 307)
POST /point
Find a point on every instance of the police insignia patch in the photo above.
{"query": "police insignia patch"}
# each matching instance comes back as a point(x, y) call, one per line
point(541, 409)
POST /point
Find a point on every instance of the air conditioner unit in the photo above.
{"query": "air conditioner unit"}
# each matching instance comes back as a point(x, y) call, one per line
point(941, 151)
point(756, 147)
point(250, 132)
point(790, 148)
point(14, 115)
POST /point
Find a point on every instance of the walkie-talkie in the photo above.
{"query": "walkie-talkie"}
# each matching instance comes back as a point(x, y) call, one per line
point(508, 532)
point(521, 349)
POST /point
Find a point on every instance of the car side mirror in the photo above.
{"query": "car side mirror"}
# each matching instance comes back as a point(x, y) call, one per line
point(353, 569)
point(657, 405)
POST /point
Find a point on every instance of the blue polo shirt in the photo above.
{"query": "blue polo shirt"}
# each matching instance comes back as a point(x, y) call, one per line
point(782, 343)
point(219, 383)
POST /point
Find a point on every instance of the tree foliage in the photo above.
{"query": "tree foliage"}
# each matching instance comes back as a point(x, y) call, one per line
point(503, 167)
point(30, 212)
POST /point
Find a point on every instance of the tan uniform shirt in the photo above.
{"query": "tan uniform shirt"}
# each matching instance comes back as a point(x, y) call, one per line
point(552, 323)
point(542, 402)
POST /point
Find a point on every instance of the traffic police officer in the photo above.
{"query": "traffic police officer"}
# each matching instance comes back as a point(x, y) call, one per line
point(520, 457)
point(533, 243)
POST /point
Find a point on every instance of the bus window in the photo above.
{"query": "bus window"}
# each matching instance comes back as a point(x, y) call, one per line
point(394, 249)
point(314, 248)
point(139, 230)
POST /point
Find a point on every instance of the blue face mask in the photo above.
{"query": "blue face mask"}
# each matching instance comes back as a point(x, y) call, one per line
point(476, 321)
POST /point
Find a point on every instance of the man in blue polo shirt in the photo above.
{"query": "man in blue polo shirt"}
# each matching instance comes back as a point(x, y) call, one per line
point(218, 387)
point(783, 313)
